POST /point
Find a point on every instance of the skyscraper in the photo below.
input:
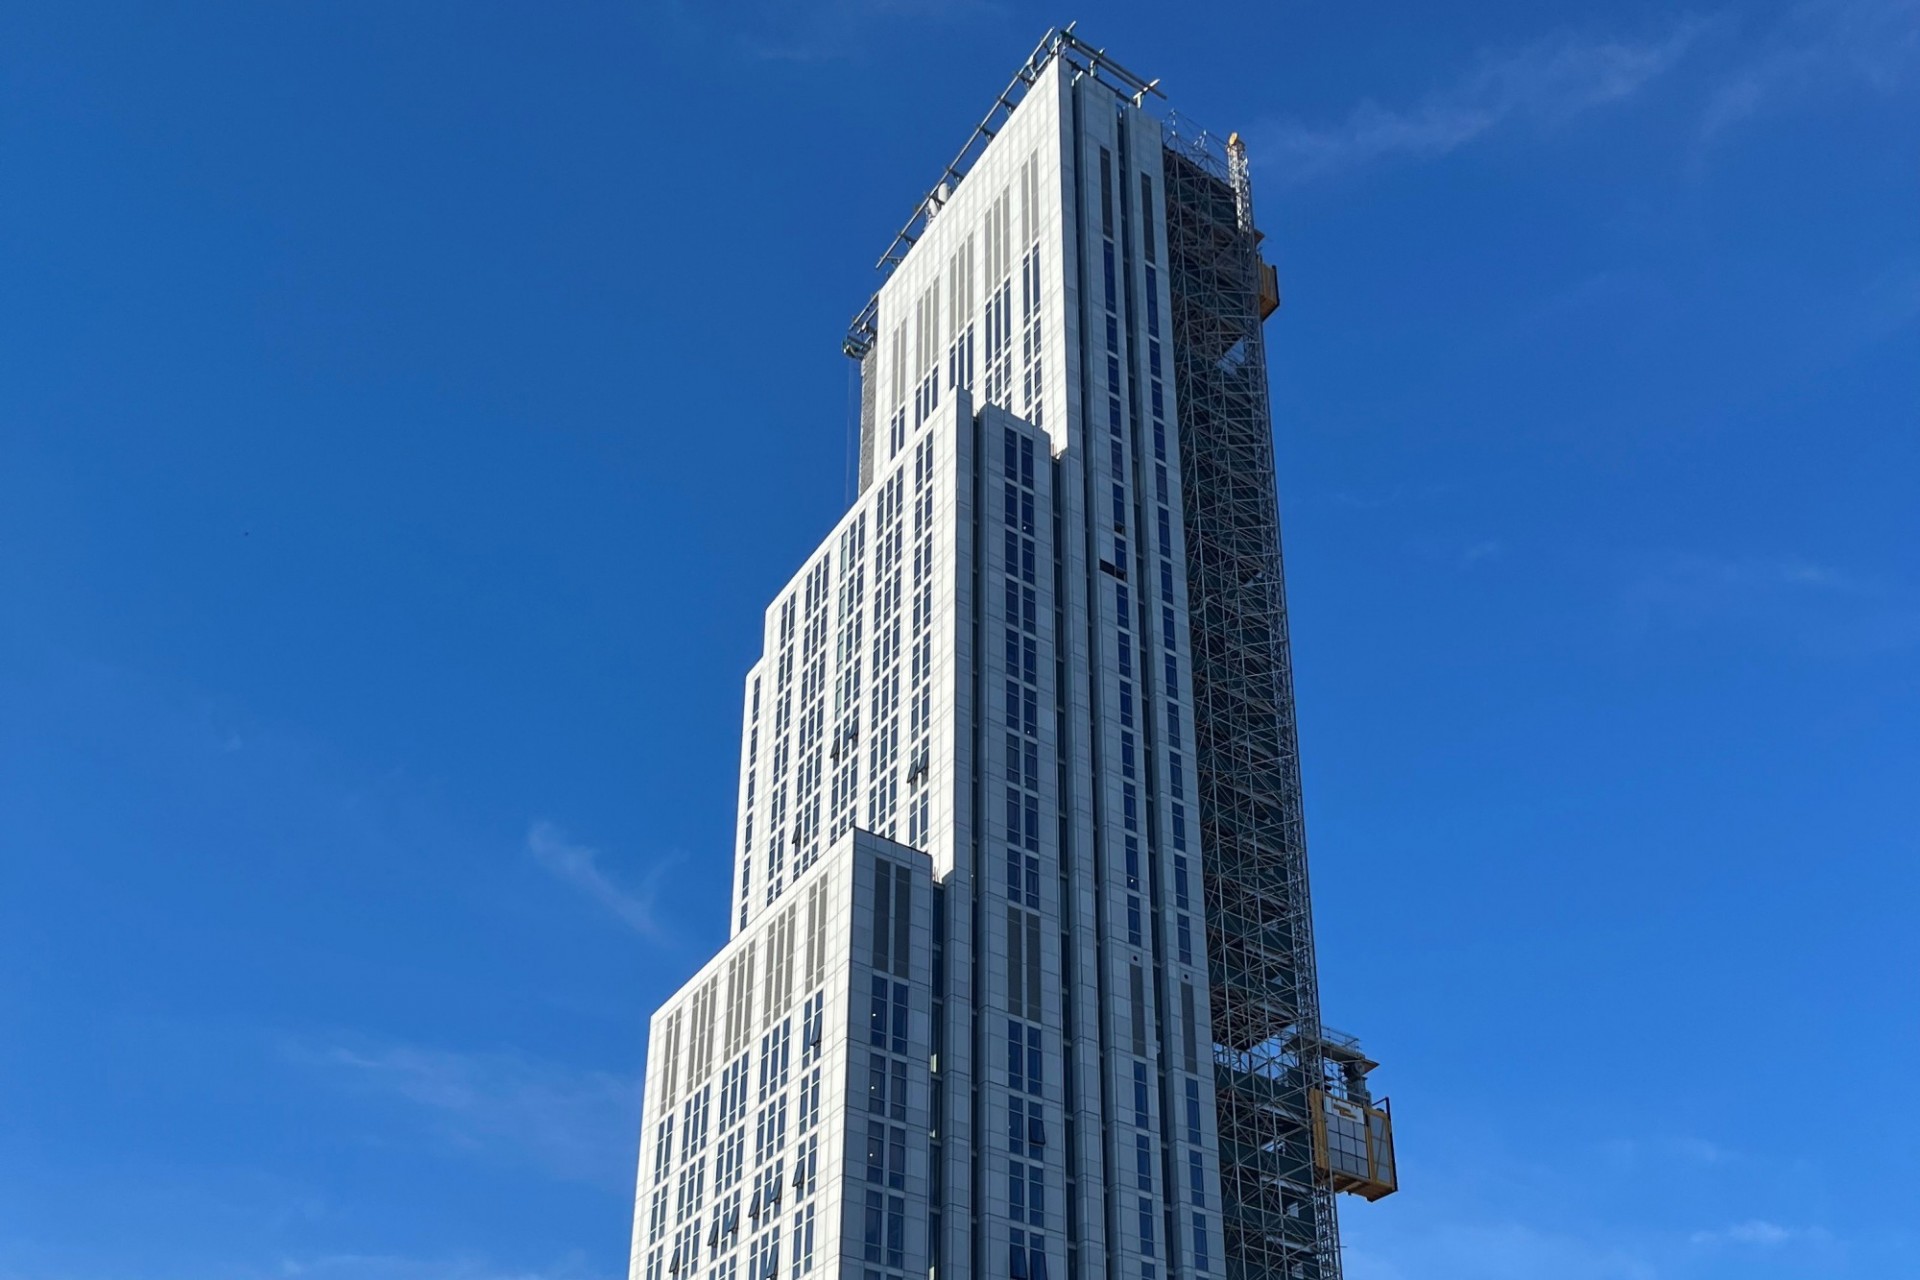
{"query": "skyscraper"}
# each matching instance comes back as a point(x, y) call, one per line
point(1021, 983)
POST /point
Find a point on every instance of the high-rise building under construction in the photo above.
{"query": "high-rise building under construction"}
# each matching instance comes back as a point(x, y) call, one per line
point(1021, 984)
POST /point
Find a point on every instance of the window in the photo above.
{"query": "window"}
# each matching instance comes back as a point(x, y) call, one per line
point(1026, 1131)
point(803, 1241)
point(693, 1121)
point(1027, 1193)
point(770, 1130)
point(663, 1146)
point(1027, 1255)
point(806, 1167)
point(896, 1231)
point(692, 1186)
point(882, 915)
point(886, 1086)
point(812, 1018)
point(733, 1093)
point(875, 1231)
point(809, 1100)
point(657, 1214)
point(887, 1020)
point(769, 1186)
point(886, 1154)
point(730, 1160)
point(886, 1229)
point(764, 1264)
point(1023, 1057)
point(775, 1057)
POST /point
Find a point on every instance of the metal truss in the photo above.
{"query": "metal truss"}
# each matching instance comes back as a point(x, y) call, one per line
point(1269, 1047)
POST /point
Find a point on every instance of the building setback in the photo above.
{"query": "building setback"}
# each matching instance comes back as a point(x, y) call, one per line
point(1021, 983)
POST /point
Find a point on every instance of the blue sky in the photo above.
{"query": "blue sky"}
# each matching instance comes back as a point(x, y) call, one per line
point(407, 409)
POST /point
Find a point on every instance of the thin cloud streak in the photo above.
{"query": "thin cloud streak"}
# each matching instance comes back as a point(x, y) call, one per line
point(1758, 1233)
point(374, 1266)
point(1874, 44)
point(1539, 86)
point(1504, 1250)
point(1828, 611)
point(574, 1124)
point(579, 866)
point(1635, 1154)
point(1817, 47)
point(1486, 549)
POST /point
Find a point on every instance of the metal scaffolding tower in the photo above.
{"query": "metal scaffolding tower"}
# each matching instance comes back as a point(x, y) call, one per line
point(1271, 1065)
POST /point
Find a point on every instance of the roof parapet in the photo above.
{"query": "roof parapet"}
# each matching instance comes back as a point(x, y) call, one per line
point(1061, 43)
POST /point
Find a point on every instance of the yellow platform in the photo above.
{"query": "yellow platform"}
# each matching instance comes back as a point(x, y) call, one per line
point(1353, 1143)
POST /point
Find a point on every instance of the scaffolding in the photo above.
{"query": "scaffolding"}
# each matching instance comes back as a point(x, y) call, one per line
point(1272, 1065)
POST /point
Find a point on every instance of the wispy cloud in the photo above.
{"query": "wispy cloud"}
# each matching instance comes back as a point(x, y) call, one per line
point(1493, 1251)
point(1536, 86)
point(1758, 1233)
point(1633, 1155)
point(374, 1266)
point(1818, 45)
point(1485, 549)
point(1390, 496)
point(1809, 599)
point(1815, 606)
point(1698, 1150)
point(572, 1123)
point(579, 865)
point(1458, 553)
point(1815, 48)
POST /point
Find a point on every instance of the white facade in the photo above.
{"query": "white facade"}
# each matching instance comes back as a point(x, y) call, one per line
point(985, 661)
point(787, 1093)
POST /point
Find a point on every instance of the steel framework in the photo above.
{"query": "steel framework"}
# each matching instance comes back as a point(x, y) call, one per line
point(1269, 1047)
